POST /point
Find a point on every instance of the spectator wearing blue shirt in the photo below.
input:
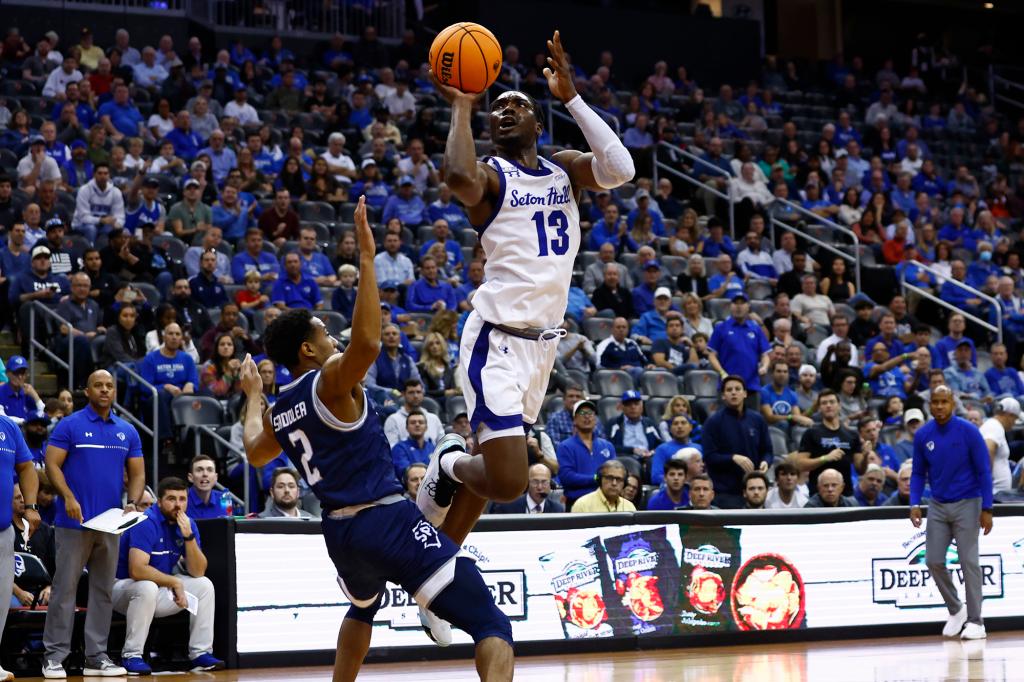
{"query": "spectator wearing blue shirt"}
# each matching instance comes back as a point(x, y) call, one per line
point(254, 258)
point(644, 205)
point(618, 351)
point(982, 267)
point(295, 289)
point(406, 205)
point(172, 371)
point(735, 441)
point(474, 278)
point(756, 263)
point(160, 562)
point(951, 456)
point(928, 181)
point(86, 460)
point(120, 117)
point(231, 215)
point(222, 157)
point(579, 306)
point(611, 228)
point(445, 208)
point(643, 293)
point(868, 491)
point(442, 235)
point(343, 300)
point(956, 231)
point(17, 397)
point(1002, 380)
point(582, 454)
point(952, 292)
point(38, 284)
point(204, 500)
point(205, 286)
point(681, 446)
point(315, 265)
point(779, 403)
point(742, 348)
point(652, 325)
point(887, 376)
point(414, 449)
point(148, 73)
point(186, 143)
point(714, 169)
point(845, 131)
point(634, 435)
point(428, 293)
point(716, 243)
point(887, 336)
point(14, 258)
point(675, 491)
point(963, 378)
point(902, 195)
point(394, 366)
point(373, 186)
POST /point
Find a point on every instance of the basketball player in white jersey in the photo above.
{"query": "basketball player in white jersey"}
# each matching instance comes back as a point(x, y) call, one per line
point(525, 210)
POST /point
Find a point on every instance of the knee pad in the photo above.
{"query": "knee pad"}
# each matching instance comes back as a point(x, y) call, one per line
point(364, 614)
point(467, 604)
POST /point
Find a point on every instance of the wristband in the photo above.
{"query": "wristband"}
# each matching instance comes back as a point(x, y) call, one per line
point(32, 507)
point(186, 538)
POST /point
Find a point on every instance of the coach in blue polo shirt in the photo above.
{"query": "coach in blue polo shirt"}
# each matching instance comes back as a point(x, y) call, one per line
point(17, 397)
point(582, 454)
point(742, 347)
point(86, 461)
point(296, 289)
point(15, 460)
point(151, 585)
point(950, 455)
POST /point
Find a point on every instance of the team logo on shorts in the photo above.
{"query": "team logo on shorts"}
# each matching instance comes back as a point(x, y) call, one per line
point(426, 534)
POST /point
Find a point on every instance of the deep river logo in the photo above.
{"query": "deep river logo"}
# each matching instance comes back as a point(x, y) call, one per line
point(907, 582)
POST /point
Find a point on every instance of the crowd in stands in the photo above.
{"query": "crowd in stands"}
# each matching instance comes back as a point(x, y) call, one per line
point(168, 202)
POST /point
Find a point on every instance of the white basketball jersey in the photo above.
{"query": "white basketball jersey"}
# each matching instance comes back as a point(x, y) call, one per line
point(531, 242)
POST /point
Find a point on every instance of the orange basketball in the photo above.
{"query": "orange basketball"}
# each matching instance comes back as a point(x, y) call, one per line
point(466, 56)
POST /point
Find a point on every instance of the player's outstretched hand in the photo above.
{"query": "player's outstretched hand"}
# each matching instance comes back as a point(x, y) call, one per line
point(250, 377)
point(452, 94)
point(557, 72)
point(364, 235)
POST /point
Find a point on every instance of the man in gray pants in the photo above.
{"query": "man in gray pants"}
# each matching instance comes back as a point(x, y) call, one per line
point(950, 454)
point(14, 458)
point(85, 460)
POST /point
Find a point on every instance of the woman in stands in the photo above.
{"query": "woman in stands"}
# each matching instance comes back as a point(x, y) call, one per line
point(684, 241)
point(850, 211)
point(268, 373)
point(643, 234)
point(219, 375)
point(125, 340)
point(436, 369)
point(253, 180)
point(161, 122)
point(346, 252)
point(676, 406)
point(322, 186)
point(291, 179)
point(835, 285)
point(446, 323)
point(693, 317)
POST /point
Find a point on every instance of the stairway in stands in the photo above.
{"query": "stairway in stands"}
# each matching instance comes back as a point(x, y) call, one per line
point(46, 380)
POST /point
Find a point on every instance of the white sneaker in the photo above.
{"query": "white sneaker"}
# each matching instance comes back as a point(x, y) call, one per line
point(438, 630)
point(53, 670)
point(6, 676)
point(101, 666)
point(973, 631)
point(437, 488)
point(955, 623)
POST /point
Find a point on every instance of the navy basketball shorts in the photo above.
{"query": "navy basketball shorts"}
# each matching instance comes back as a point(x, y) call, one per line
point(504, 378)
point(395, 543)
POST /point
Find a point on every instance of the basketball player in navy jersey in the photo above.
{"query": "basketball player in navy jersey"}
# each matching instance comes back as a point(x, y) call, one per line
point(326, 425)
point(525, 211)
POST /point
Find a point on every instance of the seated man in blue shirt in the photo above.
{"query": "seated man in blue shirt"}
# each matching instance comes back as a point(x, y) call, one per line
point(173, 372)
point(888, 376)
point(1002, 380)
point(429, 294)
point(452, 248)
point(204, 500)
point(581, 455)
point(405, 205)
point(868, 492)
point(17, 397)
point(681, 446)
point(619, 351)
point(634, 435)
point(779, 402)
point(296, 289)
point(414, 449)
point(161, 566)
point(254, 258)
point(653, 325)
point(675, 493)
point(725, 283)
point(966, 381)
point(887, 336)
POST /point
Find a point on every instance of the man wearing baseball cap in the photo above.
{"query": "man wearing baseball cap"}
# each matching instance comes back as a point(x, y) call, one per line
point(17, 397)
point(634, 435)
point(652, 325)
point(36, 434)
point(36, 285)
point(994, 431)
point(406, 204)
point(913, 419)
point(36, 166)
point(582, 454)
point(643, 293)
point(742, 348)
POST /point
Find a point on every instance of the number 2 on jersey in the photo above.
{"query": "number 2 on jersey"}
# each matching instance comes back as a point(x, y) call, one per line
point(312, 473)
point(558, 220)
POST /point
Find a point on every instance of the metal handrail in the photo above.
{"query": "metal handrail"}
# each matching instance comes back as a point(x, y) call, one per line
point(924, 293)
point(69, 365)
point(126, 413)
point(693, 157)
point(198, 430)
point(676, 149)
point(998, 329)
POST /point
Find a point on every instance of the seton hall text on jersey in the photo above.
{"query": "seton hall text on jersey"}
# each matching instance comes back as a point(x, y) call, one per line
point(554, 197)
point(285, 419)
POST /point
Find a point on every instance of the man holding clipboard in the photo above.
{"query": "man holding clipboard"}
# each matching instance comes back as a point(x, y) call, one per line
point(85, 461)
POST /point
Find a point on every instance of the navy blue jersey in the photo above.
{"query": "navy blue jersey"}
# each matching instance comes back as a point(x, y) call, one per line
point(344, 464)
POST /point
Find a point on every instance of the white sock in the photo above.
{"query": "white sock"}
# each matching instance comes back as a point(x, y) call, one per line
point(448, 461)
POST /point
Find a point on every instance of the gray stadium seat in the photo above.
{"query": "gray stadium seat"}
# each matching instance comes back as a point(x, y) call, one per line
point(193, 410)
point(702, 383)
point(654, 408)
point(608, 409)
point(454, 404)
point(779, 444)
point(612, 382)
point(597, 328)
point(719, 308)
point(659, 384)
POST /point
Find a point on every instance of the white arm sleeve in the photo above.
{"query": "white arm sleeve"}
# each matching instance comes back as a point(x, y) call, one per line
point(612, 164)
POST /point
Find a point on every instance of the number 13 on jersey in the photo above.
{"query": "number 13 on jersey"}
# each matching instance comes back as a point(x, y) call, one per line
point(558, 245)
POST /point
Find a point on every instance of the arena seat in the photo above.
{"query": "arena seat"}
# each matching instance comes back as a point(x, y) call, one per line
point(611, 382)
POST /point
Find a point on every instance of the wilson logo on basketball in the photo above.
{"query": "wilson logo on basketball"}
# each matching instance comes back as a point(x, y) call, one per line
point(907, 582)
point(447, 59)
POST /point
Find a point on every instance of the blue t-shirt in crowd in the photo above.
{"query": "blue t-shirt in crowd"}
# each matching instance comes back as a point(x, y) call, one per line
point(781, 403)
point(1004, 381)
point(244, 262)
point(302, 294)
point(158, 537)
point(662, 454)
point(16, 404)
point(94, 467)
point(13, 451)
point(740, 347)
point(197, 509)
point(158, 369)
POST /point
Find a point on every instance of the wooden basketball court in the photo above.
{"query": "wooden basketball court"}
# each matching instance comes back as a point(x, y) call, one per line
point(1000, 658)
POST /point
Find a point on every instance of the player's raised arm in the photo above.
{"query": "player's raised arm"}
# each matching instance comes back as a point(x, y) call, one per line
point(608, 164)
point(342, 374)
point(468, 179)
point(257, 434)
